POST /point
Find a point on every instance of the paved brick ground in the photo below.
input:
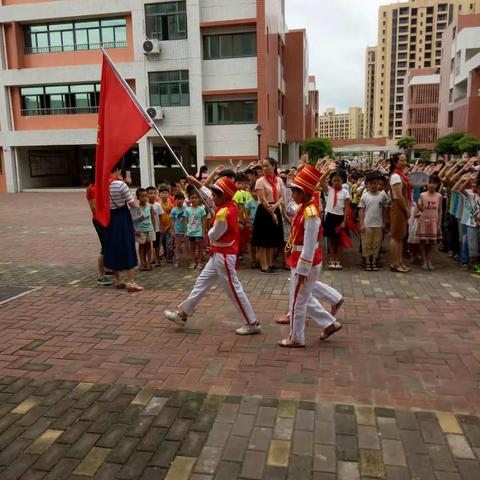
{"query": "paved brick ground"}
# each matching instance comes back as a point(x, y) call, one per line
point(66, 430)
point(157, 402)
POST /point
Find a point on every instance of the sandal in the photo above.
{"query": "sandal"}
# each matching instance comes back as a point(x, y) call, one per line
point(368, 267)
point(332, 266)
point(133, 287)
point(283, 320)
point(330, 330)
point(374, 267)
point(335, 308)
point(143, 268)
point(289, 343)
point(149, 268)
point(338, 266)
point(398, 269)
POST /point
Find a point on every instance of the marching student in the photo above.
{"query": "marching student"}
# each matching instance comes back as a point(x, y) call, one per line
point(224, 239)
point(305, 259)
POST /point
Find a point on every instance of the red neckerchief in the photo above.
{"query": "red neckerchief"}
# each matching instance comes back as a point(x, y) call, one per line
point(407, 183)
point(335, 197)
point(273, 182)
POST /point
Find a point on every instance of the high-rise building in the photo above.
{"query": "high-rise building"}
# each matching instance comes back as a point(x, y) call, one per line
point(460, 77)
point(370, 72)
point(212, 71)
point(409, 36)
point(420, 109)
point(341, 125)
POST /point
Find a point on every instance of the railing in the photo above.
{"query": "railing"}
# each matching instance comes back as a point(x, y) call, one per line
point(37, 112)
point(75, 48)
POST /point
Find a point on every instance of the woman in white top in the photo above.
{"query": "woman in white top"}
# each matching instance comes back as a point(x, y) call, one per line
point(268, 224)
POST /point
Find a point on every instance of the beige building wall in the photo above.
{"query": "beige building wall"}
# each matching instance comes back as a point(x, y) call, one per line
point(409, 36)
point(370, 70)
point(341, 125)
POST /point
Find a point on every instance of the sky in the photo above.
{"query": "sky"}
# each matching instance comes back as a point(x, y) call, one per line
point(338, 33)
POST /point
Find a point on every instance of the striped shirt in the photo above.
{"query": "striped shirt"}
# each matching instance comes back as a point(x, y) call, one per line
point(120, 194)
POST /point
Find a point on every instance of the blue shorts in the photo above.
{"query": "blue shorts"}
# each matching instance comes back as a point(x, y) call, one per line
point(196, 239)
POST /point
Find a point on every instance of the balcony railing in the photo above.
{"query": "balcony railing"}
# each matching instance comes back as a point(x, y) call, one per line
point(75, 48)
point(37, 112)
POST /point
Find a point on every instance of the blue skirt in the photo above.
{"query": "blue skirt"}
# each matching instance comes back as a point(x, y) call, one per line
point(119, 251)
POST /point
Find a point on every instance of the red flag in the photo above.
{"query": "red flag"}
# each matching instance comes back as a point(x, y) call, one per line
point(121, 123)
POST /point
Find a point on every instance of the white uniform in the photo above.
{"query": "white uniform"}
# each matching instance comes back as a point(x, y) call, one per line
point(221, 267)
point(302, 302)
point(319, 291)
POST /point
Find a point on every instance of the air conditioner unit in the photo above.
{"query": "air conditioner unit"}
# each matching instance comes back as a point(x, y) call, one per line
point(156, 113)
point(151, 47)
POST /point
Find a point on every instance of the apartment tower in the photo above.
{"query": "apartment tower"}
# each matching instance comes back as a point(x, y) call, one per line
point(370, 72)
point(341, 125)
point(409, 36)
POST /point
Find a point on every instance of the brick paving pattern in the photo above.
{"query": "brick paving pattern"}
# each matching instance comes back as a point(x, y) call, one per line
point(95, 384)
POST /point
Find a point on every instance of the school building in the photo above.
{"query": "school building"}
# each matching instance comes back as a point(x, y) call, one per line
point(214, 75)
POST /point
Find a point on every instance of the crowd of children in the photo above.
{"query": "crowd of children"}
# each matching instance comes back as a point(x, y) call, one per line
point(171, 221)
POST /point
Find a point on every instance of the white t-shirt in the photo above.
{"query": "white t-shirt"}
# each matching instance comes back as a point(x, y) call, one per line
point(373, 205)
point(395, 179)
point(471, 208)
point(158, 210)
point(474, 199)
point(339, 208)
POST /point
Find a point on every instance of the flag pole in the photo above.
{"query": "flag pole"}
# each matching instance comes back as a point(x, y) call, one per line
point(151, 121)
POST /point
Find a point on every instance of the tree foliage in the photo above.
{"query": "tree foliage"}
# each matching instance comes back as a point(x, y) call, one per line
point(406, 143)
point(468, 144)
point(425, 156)
point(448, 145)
point(317, 148)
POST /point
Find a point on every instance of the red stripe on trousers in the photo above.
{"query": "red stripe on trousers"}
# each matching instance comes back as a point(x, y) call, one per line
point(295, 297)
point(229, 276)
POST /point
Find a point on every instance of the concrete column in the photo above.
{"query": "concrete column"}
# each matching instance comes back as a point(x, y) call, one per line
point(10, 169)
point(145, 152)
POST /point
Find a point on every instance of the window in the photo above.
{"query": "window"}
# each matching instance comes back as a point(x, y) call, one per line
point(235, 45)
point(450, 119)
point(231, 112)
point(166, 20)
point(60, 99)
point(73, 36)
point(169, 89)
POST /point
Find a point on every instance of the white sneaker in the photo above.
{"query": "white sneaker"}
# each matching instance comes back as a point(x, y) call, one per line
point(249, 330)
point(175, 318)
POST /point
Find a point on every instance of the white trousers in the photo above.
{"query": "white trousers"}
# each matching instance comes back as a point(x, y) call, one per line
point(326, 293)
point(222, 268)
point(304, 302)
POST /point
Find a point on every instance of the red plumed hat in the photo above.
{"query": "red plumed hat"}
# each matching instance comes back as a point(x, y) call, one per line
point(307, 179)
point(226, 186)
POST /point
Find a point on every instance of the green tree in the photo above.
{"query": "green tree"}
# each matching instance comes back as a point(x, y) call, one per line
point(317, 148)
point(448, 145)
point(425, 156)
point(468, 144)
point(407, 143)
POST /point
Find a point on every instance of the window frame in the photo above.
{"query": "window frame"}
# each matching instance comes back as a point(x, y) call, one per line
point(69, 100)
point(157, 23)
point(229, 104)
point(169, 84)
point(207, 43)
point(74, 28)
